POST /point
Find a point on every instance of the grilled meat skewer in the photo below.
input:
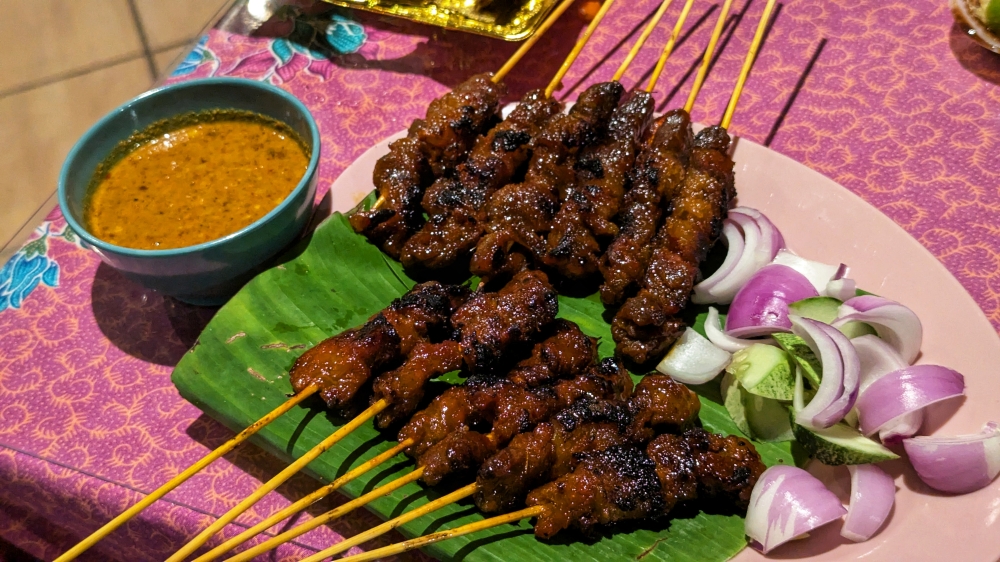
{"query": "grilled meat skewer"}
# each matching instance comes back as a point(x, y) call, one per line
point(656, 178)
point(628, 482)
point(553, 448)
point(432, 147)
point(520, 215)
point(583, 225)
point(456, 205)
point(648, 323)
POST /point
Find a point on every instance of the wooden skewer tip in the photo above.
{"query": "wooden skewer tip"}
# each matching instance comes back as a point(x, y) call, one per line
point(557, 79)
point(748, 61)
point(646, 32)
point(720, 24)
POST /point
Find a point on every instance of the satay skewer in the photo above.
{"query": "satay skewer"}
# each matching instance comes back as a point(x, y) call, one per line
point(536, 511)
point(642, 39)
point(668, 49)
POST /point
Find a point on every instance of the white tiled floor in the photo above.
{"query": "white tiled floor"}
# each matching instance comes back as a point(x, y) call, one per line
point(67, 62)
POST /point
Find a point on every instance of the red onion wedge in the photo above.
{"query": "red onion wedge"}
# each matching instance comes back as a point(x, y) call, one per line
point(841, 289)
point(877, 360)
point(761, 306)
point(713, 329)
point(693, 359)
point(894, 322)
point(872, 494)
point(788, 502)
point(753, 241)
point(841, 372)
point(900, 392)
point(819, 274)
point(960, 464)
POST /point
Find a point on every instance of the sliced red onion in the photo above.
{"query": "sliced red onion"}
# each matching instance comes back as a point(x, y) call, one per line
point(706, 292)
point(753, 241)
point(841, 372)
point(694, 359)
point(877, 360)
point(959, 464)
point(761, 306)
point(713, 329)
point(841, 289)
point(788, 502)
point(892, 321)
point(906, 390)
point(818, 273)
point(872, 494)
point(771, 237)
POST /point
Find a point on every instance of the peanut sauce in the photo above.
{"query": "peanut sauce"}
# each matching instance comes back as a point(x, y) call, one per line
point(193, 178)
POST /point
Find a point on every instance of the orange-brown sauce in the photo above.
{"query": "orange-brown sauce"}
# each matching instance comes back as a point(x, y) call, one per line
point(205, 176)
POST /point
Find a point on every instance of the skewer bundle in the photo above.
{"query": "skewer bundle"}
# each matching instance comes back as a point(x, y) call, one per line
point(593, 199)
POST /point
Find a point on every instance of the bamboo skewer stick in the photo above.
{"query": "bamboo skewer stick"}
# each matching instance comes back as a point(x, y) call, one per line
point(418, 542)
point(669, 47)
point(391, 524)
point(527, 45)
point(707, 60)
point(279, 479)
point(163, 490)
point(340, 511)
point(554, 84)
point(758, 36)
point(642, 40)
point(303, 503)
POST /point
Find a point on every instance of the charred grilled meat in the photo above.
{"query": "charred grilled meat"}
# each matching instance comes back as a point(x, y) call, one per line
point(520, 215)
point(474, 403)
point(657, 177)
point(433, 146)
point(582, 227)
point(512, 410)
point(647, 323)
point(627, 482)
point(342, 364)
point(491, 324)
point(456, 205)
point(555, 447)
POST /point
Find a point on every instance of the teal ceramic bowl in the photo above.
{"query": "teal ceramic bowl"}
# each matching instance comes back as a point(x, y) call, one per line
point(211, 272)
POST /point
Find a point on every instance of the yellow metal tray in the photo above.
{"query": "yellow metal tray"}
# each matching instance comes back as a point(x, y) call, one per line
point(515, 24)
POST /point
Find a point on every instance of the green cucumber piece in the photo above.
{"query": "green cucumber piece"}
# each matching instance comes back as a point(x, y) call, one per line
point(797, 347)
point(764, 370)
point(732, 399)
point(854, 329)
point(823, 309)
point(840, 444)
point(762, 419)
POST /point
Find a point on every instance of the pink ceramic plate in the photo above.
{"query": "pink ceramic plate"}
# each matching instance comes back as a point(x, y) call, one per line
point(822, 220)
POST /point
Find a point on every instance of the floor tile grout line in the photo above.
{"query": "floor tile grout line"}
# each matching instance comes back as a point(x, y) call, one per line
point(76, 73)
point(26, 223)
point(146, 51)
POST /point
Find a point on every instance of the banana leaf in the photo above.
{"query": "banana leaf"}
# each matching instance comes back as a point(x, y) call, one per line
point(238, 371)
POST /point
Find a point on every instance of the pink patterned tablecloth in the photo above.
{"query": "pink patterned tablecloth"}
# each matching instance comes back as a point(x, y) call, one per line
point(888, 98)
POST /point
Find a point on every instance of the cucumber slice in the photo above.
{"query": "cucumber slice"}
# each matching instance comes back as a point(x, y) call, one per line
point(840, 444)
point(732, 399)
point(823, 309)
point(854, 329)
point(811, 367)
point(768, 419)
point(764, 370)
point(759, 418)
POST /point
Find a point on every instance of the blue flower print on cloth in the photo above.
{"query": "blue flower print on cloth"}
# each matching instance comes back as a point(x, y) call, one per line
point(198, 56)
point(28, 268)
point(345, 35)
